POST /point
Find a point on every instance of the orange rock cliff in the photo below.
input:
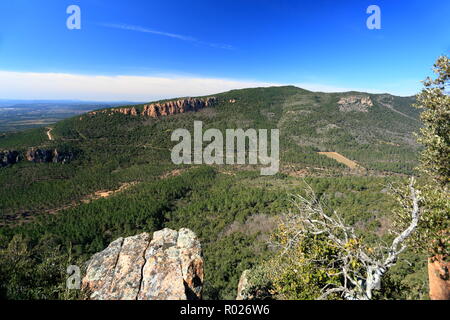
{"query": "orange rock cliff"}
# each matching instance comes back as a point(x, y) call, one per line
point(155, 110)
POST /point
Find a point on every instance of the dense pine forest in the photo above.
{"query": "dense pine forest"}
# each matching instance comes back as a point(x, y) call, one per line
point(51, 215)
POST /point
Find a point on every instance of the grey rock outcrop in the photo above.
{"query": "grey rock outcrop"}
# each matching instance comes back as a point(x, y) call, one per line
point(36, 155)
point(39, 155)
point(243, 287)
point(254, 285)
point(8, 158)
point(178, 106)
point(439, 278)
point(168, 266)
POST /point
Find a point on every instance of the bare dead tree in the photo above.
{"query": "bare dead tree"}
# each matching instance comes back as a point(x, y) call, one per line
point(360, 279)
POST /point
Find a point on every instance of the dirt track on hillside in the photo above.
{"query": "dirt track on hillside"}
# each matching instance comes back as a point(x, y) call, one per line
point(49, 134)
point(26, 217)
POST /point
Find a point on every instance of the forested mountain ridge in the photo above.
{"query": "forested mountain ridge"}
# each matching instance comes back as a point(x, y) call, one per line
point(218, 203)
point(308, 121)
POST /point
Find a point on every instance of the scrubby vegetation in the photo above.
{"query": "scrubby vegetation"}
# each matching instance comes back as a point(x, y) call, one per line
point(319, 256)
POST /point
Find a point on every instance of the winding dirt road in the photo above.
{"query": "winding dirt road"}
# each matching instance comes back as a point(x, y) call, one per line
point(49, 133)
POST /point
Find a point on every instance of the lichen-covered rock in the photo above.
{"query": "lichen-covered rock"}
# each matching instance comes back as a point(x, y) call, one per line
point(168, 266)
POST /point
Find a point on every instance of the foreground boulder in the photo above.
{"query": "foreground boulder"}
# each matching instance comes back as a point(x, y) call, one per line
point(168, 266)
point(253, 285)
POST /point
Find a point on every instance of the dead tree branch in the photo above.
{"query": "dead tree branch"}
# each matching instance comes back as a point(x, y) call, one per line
point(359, 279)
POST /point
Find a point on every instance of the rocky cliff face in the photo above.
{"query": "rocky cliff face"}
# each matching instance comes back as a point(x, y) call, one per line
point(355, 103)
point(128, 111)
point(249, 290)
point(35, 155)
point(9, 157)
point(155, 110)
point(168, 266)
point(178, 106)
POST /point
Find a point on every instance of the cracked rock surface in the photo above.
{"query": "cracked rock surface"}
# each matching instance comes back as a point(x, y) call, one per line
point(167, 266)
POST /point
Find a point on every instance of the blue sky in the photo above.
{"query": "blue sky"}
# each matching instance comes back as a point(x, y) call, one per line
point(138, 50)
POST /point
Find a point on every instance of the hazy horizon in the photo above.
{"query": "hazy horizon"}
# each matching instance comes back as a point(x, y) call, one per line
point(86, 101)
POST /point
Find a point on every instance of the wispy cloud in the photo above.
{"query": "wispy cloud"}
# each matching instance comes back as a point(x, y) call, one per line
point(166, 34)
